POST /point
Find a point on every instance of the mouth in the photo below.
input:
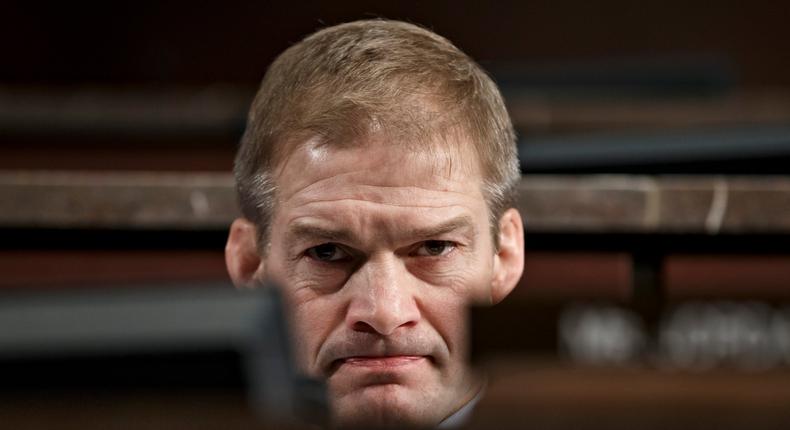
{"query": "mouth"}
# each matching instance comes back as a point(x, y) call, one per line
point(382, 362)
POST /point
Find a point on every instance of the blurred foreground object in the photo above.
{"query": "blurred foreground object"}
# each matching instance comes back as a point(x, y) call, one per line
point(151, 358)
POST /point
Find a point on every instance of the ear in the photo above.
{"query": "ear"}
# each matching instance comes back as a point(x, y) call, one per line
point(244, 263)
point(509, 260)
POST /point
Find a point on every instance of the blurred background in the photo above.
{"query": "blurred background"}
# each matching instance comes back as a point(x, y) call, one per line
point(654, 139)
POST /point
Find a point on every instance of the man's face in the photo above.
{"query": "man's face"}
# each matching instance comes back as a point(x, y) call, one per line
point(379, 251)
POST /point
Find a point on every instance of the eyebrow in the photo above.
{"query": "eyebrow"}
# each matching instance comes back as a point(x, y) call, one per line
point(463, 222)
point(299, 230)
point(306, 230)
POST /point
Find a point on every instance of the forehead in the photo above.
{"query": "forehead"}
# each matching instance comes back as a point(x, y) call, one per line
point(377, 189)
point(379, 170)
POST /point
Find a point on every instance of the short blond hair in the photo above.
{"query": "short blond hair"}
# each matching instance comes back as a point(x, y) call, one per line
point(343, 82)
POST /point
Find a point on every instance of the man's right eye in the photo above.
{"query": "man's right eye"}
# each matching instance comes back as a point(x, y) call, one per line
point(327, 252)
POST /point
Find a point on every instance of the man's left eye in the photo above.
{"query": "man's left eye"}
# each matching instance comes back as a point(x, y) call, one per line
point(433, 248)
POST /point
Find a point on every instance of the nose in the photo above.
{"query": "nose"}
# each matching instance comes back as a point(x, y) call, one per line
point(382, 299)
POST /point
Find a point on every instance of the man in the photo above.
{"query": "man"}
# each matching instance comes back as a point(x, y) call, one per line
point(376, 178)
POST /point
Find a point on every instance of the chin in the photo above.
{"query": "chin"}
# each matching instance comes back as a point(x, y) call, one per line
point(384, 406)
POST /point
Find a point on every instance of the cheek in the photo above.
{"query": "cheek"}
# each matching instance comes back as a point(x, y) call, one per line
point(320, 277)
point(307, 278)
point(467, 272)
point(447, 313)
point(311, 323)
point(447, 306)
point(312, 315)
point(467, 281)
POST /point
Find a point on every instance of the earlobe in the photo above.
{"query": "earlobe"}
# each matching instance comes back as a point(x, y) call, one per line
point(244, 262)
point(509, 260)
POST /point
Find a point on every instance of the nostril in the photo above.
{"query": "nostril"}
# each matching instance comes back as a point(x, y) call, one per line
point(363, 327)
point(411, 323)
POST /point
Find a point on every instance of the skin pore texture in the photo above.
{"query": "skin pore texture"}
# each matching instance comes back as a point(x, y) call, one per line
point(379, 251)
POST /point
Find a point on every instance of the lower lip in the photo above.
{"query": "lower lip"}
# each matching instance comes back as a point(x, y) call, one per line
point(384, 362)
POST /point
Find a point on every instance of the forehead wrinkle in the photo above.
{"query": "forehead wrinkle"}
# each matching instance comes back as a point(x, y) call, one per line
point(354, 167)
point(383, 203)
point(321, 185)
point(331, 214)
point(384, 194)
point(348, 225)
point(318, 183)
